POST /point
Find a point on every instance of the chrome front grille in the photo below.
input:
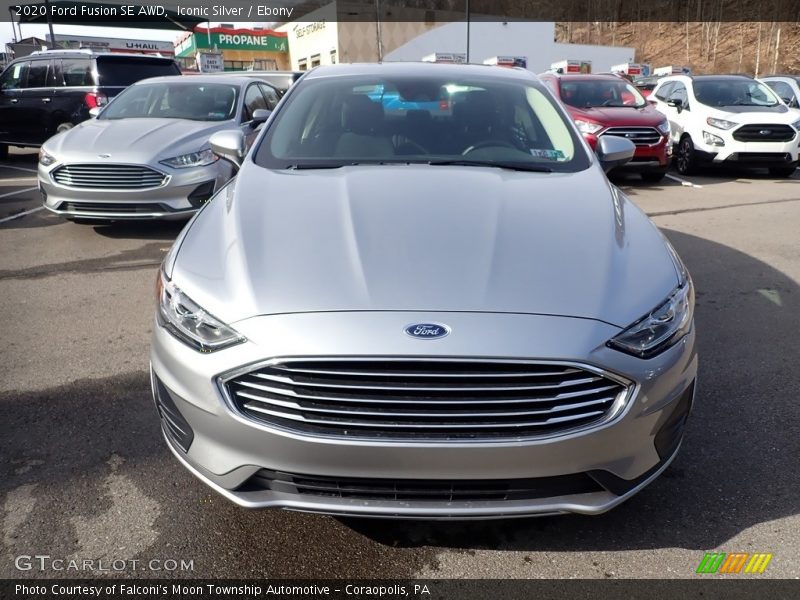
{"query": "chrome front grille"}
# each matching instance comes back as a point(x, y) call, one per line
point(108, 176)
point(641, 136)
point(764, 133)
point(424, 399)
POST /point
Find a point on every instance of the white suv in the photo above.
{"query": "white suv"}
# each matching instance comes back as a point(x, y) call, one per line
point(728, 119)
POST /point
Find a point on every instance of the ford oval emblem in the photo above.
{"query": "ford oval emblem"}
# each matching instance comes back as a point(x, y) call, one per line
point(764, 131)
point(427, 331)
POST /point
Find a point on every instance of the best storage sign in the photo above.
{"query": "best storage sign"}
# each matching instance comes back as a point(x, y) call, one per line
point(234, 39)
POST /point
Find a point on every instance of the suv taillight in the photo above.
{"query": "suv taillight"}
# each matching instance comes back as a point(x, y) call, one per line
point(95, 99)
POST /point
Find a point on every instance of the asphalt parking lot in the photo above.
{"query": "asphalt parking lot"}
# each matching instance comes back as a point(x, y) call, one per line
point(85, 474)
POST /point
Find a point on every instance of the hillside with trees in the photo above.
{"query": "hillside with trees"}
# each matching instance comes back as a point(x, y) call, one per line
point(754, 48)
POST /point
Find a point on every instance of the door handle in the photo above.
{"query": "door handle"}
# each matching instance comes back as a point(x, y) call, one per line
point(45, 99)
point(14, 100)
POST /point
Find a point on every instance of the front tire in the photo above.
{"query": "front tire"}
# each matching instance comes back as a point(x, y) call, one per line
point(685, 158)
point(782, 171)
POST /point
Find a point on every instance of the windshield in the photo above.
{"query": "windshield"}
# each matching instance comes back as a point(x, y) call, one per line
point(372, 119)
point(733, 92)
point(592, 93)
point(174, 100)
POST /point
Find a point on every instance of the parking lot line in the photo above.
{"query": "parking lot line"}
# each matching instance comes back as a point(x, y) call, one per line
point(22, 214)
point(683, 181)
point(4, 166)
point(30, 189)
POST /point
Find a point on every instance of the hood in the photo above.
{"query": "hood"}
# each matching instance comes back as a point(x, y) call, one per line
point(760, 111)
point(424, 238)
point(609, 116)
point(132, 140)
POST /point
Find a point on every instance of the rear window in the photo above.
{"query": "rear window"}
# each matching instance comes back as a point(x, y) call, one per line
point(118, 71)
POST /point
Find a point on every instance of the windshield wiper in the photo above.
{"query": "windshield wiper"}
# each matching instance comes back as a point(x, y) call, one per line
point(498, 165)
point(301, 166)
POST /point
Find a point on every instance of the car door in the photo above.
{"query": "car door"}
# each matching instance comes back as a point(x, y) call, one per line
point(252, 101)
point(74, 79)
point(35, 103)
point(659, 99)
point(784, 92)
point(678, 101)
point(11, 83)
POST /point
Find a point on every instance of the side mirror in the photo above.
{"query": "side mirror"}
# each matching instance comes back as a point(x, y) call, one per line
point(677, 103)
point(229, 145)
point(260, 115)
point(93, 112)
point(613, 151)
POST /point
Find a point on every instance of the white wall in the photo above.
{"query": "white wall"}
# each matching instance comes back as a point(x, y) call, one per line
point(487, 39)
point(318, 33)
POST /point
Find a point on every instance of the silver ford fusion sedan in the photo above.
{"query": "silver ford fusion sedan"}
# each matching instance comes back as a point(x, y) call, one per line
point(435, 306)
point(147, 156)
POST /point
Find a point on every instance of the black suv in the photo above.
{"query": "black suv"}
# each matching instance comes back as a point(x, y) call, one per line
point(51, 91)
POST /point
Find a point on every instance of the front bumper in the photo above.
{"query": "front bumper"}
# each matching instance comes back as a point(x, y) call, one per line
point(746, 154)
point(183, 194)
point(621, 456)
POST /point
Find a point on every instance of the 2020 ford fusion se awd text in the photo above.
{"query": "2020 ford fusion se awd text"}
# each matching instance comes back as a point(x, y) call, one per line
point(395, 313)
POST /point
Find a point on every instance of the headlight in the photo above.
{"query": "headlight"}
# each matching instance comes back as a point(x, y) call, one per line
point(662, 328)
point(188, 322)
point(46, 159)
point(193, 159)
point(712, 140)
point(720, 123)
point(796, 125)
point(587, 126)
point(664, 127)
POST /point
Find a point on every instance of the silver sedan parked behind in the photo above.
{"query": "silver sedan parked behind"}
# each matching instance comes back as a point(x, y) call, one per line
point(147, 154)
point(407, 314)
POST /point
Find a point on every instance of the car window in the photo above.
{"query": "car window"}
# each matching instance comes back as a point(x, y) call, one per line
point(253, 100)
point(37, 74)
point(14, 76)
point(733, 91)
point(678, 93)
point(783, 89)
point(663, 92)
point(175, 100)
point(122, 72)
point(407, 119)
point(270, 95)
point(77, 72)
point(585, 93)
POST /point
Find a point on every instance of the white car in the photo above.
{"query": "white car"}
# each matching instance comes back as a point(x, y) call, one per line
point(728, 119)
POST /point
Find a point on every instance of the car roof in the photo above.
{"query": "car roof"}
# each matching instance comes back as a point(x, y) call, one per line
point(232, 79)
point(88, 53)
point(588, 77)
point(420, 68)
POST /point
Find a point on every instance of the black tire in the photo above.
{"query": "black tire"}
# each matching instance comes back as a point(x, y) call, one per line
point(3, 151)
point(653, 176)
point(685, 159)
point(782, 171)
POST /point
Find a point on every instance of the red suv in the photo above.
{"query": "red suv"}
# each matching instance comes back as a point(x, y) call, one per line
point(611, 105)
